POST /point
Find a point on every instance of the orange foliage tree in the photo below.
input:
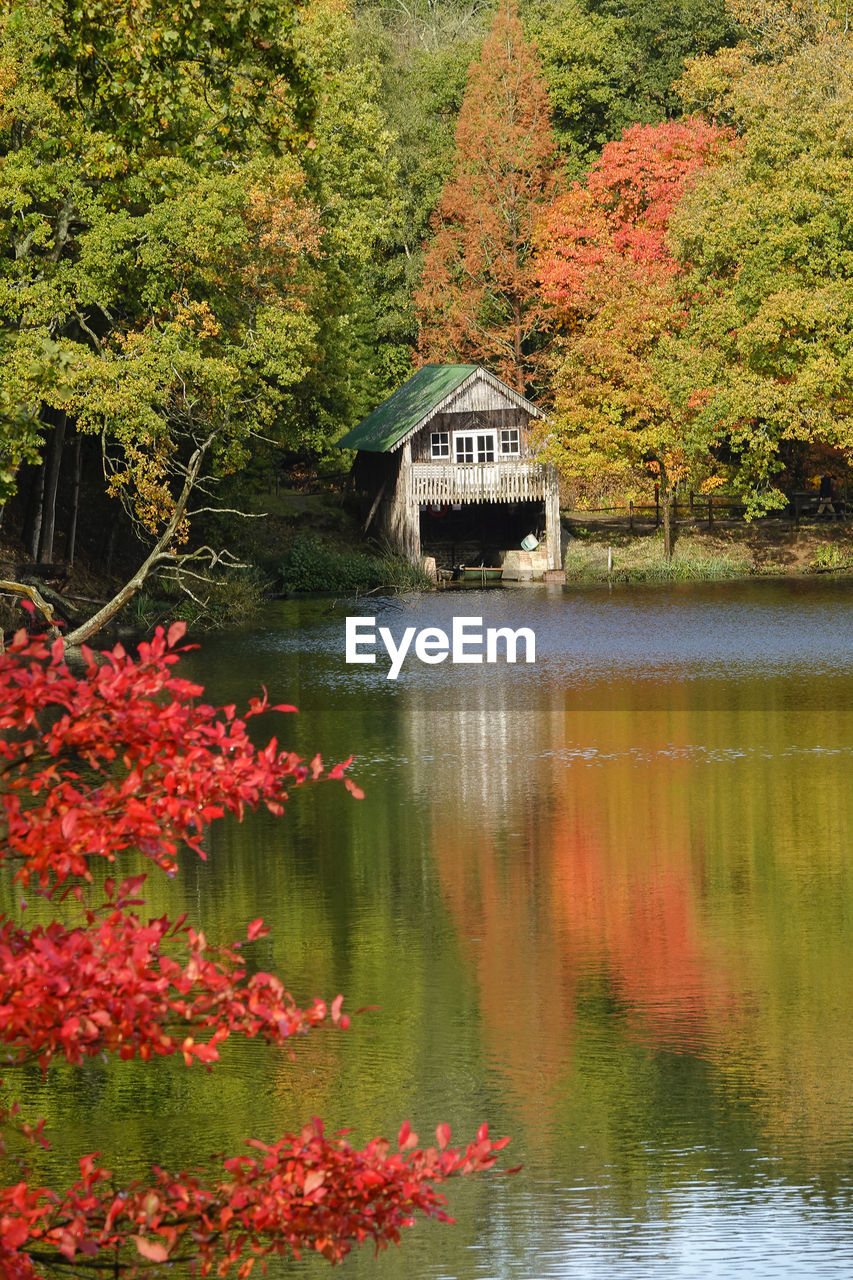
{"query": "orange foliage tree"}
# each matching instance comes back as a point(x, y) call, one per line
point(606, 268)
point(479, 299)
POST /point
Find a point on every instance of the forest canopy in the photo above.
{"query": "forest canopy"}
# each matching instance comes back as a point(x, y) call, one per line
point(225, 239)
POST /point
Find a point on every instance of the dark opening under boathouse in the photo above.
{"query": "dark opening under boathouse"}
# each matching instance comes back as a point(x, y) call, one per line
point(447, 470)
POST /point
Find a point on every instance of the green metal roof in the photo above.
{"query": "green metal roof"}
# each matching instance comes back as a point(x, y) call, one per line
point(408, 406)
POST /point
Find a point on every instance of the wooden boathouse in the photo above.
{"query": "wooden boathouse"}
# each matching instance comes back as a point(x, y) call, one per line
point(447, 469)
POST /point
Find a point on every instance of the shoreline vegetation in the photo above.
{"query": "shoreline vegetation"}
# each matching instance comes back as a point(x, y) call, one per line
point(735, 549)
point(311, 543)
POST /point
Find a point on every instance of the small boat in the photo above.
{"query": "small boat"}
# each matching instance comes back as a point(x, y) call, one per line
point(480, 572)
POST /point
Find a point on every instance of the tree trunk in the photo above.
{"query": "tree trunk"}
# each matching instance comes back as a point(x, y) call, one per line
point(32, 522)
point(75, 501)
point(53, 462)
point(32, 593)
point(667, 531)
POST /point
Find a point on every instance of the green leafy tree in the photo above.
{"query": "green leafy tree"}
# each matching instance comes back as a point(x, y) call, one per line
point(586, 60)
point(479, 298)
point(769, 236)
point(769, 31)
point(352, 173)
point(661, 35)
point(193, 202)
point(157, 229)
point(424, 51)
point(609, 65)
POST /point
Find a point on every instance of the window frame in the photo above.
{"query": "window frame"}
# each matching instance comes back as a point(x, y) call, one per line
point(488, 446)
point(463, 443)
point(439, 446)
point(478, 444)
point(514, 452)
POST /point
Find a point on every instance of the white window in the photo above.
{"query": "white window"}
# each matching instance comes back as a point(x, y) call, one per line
point(464, 448)
point(486, 447)
point(440, 444)
point(475, 447)
point(510, 442)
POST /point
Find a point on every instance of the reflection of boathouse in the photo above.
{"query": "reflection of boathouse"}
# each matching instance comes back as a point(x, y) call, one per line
point(446, 466)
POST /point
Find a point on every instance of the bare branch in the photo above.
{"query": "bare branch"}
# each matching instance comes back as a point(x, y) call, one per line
point(160, 551)
point(35, 597)
point(89, 332)
point(227, 511)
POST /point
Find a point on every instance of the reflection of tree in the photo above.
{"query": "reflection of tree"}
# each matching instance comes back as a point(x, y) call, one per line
point(546, 890)
point(626, 877)
point(476, 758)
point(689, 861)
point(554, 907)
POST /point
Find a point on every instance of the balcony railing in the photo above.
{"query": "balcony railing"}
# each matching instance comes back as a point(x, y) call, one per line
point(508, 481)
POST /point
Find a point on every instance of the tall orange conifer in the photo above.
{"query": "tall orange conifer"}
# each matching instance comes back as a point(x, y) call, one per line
point(479, 299)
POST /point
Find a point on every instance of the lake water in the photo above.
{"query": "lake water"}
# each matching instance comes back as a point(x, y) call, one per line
point(603, 902)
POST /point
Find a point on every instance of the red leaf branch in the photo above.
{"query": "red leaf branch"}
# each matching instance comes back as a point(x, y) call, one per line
point(305, 1192)
point(122, 756)
point(115, 985)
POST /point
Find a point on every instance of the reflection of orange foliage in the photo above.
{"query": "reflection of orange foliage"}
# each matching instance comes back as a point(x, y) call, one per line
point(624, 883)
point(601, 882)
point(527, 982)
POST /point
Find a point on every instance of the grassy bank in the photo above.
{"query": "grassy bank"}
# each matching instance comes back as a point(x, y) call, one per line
point(312, 564)
point(739, 550)
point(313, 542)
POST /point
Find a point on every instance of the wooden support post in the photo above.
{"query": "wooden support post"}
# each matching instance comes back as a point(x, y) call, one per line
point(552, 521)
point(710, 512)
point(657, 506)
point(631, 516)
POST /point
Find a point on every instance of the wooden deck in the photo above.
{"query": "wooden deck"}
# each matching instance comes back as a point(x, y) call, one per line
point(512, 481)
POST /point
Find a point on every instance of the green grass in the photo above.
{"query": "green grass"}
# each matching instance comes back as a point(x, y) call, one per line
point(311, 565)
point(643, 560)
point(227, 599)
point(829, 556)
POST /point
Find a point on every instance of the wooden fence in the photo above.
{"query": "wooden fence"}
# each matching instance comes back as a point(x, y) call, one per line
point(705, 508)
point(695, 508)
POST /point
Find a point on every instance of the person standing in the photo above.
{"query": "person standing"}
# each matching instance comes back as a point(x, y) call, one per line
point(826, 495)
